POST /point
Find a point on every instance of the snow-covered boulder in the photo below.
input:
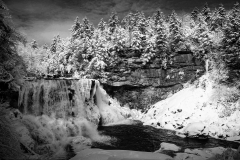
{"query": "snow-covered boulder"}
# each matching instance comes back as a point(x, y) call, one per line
point(196, 129)
point(168, 146)
point(199, 154)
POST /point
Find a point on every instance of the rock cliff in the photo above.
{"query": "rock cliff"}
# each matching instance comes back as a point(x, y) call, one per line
point(139, 85)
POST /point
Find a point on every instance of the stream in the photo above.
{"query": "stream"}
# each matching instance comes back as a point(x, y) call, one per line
point(148, 138)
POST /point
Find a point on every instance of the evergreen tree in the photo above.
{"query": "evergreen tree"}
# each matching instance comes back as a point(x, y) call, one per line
point(235, 12)
point(162, 45)
point(88, 28)
point(45, 46)
point(76, 25)
point(113, 22)
point(231, 40)
point(195, 14)
point(75, 29)
point(158, 18)
point(218, 18)
point(53, 47)
point(206, 13)
point(175, 33)
point(34, 44)
point(102, 25)
point(128, 25)
point(11, 65)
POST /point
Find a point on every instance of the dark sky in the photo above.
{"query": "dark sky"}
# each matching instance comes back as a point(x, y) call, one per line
point(43, 19)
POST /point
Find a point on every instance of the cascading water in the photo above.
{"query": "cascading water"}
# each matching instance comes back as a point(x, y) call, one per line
point(61, 112)
point(70, 98)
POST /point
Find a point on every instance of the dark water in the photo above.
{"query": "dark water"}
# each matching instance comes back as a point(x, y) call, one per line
point(147, 138)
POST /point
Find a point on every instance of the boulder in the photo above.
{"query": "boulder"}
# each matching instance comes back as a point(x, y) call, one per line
point(168, 146)
point(196, 129)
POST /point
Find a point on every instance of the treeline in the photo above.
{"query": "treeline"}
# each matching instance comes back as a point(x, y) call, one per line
point(211, 35)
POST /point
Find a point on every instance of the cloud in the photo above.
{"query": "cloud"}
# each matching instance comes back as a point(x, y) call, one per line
point(42, 19)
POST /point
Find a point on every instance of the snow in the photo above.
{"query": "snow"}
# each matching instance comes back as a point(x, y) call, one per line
point(99, 154)
point(193, 111)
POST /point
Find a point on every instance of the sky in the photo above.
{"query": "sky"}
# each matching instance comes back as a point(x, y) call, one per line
point(41, 20)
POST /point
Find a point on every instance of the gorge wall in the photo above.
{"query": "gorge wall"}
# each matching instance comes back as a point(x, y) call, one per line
point(140, 86)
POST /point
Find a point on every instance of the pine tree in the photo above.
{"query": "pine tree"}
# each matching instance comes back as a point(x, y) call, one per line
point(231, 40)
point(53, 47)
point(195, 14)
point(206, 13)
point(102, 25)
point(128, 25)
point(218, 18)
point(158, 17)
point(75, 30)
point(9, 39)
point(113, 22)
point(34, 44)
point(162, 45)
point(175, 35)
point(235, 12)
point(45, 46)
point(87, 27)
point(76, 25)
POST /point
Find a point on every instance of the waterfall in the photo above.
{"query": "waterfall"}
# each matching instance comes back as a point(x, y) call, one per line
point(110, 113)
point(83, 98)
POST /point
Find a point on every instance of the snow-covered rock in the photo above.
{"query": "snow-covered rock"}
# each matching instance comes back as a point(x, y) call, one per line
point(199, 154)
point(168, 146)
point(196, 129)
point(98, 154)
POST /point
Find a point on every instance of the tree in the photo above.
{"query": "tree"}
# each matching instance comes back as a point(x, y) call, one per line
point(102, 25)
point(162, 45)
point(53, 47)
point(11, 65)
point(128, 25)
point(206, 13)
point(113, 22)
point(231, 40)
point(75, 28)
point(34, 44)
point(87, 28)
point(218, 18)
point(158, 18)
point(194, 14)
point(175, 33)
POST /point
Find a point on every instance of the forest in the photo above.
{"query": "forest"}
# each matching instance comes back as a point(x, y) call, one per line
point(91, 51)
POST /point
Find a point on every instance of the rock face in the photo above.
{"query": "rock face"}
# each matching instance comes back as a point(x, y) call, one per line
point(141, 85)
